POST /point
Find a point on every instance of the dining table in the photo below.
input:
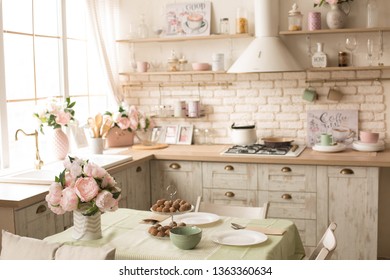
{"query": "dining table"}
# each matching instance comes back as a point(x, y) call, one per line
point(126, 230)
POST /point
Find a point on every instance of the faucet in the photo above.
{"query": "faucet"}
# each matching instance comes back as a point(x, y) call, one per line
point(38, 161)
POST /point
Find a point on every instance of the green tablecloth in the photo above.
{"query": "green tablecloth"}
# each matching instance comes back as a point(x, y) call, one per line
point(122, 229)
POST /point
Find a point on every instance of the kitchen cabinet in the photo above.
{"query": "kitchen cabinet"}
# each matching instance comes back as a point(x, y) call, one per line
point(291, 191)
point(135, 184)
point(230, 183)
point(37, 221)
point(186, 176)
point(352, 195)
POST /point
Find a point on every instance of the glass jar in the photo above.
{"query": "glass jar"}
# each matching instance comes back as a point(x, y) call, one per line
point(372, 14)
point(224, 26)
point(241, 21)
point(294, 19)
point(343, 59)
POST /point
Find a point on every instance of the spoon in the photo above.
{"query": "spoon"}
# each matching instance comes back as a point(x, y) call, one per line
point(237, 226)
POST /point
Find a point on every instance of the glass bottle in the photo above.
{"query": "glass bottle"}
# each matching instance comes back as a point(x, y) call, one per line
point(143, 30)
point(319, 59)
point(241, 21)
point(294, 19)
point(224, 26)
point(372, 14)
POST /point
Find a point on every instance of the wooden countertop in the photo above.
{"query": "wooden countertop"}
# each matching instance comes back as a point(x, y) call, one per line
point(21, 195)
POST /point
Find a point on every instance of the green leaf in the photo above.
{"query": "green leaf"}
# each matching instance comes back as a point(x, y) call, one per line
point(91, 211)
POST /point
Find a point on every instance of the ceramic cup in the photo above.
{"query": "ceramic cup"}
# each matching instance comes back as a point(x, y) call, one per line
point(142, 66)
point(97, 145)
point(309, 94)
point(368, 137)
point(334, 95)
point(342, 134)
point(326, 139)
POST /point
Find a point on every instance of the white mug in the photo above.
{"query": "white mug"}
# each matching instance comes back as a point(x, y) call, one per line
point(142, 66)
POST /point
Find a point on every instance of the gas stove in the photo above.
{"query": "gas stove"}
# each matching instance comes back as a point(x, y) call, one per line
point(263, 150)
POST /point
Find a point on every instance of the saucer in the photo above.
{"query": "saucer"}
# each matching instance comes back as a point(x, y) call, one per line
point(337, 147)
point(368, 147)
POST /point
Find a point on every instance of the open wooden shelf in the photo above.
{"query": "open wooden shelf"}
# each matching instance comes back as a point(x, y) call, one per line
point(335, 31)
point(186, 38)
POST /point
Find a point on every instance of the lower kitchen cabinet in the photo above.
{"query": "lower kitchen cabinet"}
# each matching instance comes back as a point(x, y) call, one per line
point(186, 176)
point(37, 221)
point(352, 195)
point(291, 191)
point(230, 183)
point(135, 184)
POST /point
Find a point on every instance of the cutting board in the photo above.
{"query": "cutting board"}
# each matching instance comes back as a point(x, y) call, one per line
point(153, 147)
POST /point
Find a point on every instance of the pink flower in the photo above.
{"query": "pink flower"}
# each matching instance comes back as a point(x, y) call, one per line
point(332, 1)
point(63, 118)
point(86, 188)
point(123, 123)
point(56, 209)
point(106, 202)
point(54, 195)
point(94, 170)
point(108, 180)
point(69, 201)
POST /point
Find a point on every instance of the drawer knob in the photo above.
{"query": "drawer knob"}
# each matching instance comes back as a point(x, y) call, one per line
point(41, 209)
point(229, 194)
point(174, 166)
point(286, 169)
point(347, 171)
point(139, 169)
point(287, 196)
point(229, 168)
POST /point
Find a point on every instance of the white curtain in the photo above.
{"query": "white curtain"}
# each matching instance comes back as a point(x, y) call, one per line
point(102, 15)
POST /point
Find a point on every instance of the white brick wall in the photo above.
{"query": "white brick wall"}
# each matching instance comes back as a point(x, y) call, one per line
point(272, 101)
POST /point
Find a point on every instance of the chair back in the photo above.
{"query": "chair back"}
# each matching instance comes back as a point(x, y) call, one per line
point(232, 211)
point(326, 246)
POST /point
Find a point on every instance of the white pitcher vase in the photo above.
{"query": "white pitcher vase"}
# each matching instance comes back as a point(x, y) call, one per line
point(336, 17)
point(86, 227)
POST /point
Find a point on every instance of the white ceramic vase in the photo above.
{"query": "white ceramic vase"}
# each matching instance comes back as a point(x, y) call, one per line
point(336, 17)
point(60, 144)
point(86, 227)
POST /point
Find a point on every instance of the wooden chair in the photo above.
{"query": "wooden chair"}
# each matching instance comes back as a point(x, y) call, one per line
point(326, 246)
point(232, 211)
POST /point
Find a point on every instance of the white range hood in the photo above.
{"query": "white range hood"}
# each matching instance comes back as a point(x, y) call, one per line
point(267, 52)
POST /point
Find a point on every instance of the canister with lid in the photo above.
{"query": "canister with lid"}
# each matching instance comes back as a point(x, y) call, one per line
point(218, 63)
point(294, 19)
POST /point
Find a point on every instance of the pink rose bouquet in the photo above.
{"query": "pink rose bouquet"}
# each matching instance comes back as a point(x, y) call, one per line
point(319, 3)
point(56, 115)
point(84, 186)
point(131, 119)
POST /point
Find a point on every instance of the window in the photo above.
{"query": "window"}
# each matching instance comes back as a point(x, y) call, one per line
point(48, 52)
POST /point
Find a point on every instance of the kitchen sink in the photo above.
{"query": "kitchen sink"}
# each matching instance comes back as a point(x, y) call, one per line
point(48, 172)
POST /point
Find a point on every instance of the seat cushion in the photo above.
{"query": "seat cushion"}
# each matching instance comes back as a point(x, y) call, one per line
point(68, 252)
point(15, 247)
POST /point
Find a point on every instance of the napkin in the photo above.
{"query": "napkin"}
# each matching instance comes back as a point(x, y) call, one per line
point(157, 217)
point(269, 231)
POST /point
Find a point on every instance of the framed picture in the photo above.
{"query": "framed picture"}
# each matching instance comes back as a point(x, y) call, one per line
point(170, 134)
point(184, 135)
point(188, 19)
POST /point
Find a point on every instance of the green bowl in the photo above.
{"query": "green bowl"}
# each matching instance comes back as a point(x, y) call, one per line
point(186, 238)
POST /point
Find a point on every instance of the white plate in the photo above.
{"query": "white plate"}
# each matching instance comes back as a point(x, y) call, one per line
point(329, 149)
point(240, 237)
point(197, 218)
point(368, 147)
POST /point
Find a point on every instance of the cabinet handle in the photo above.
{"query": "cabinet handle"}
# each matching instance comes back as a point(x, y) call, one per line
point(229, 168)
point(286, 196)
point(347, 171)
point(139, 169)
point(286, 169)
point(229, 194)
point(41, 209)
point(174, 166)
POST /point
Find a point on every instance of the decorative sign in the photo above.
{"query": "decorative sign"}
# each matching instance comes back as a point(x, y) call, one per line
point(342, 124)
point(188, 19)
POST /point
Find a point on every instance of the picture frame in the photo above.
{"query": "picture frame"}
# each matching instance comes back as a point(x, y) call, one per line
point(184, 135)
point(188, 19)
point(170, 134)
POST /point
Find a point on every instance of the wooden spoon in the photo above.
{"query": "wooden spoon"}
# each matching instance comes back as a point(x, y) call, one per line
point(98, 123)
point(105, 127)
point(92, 127)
